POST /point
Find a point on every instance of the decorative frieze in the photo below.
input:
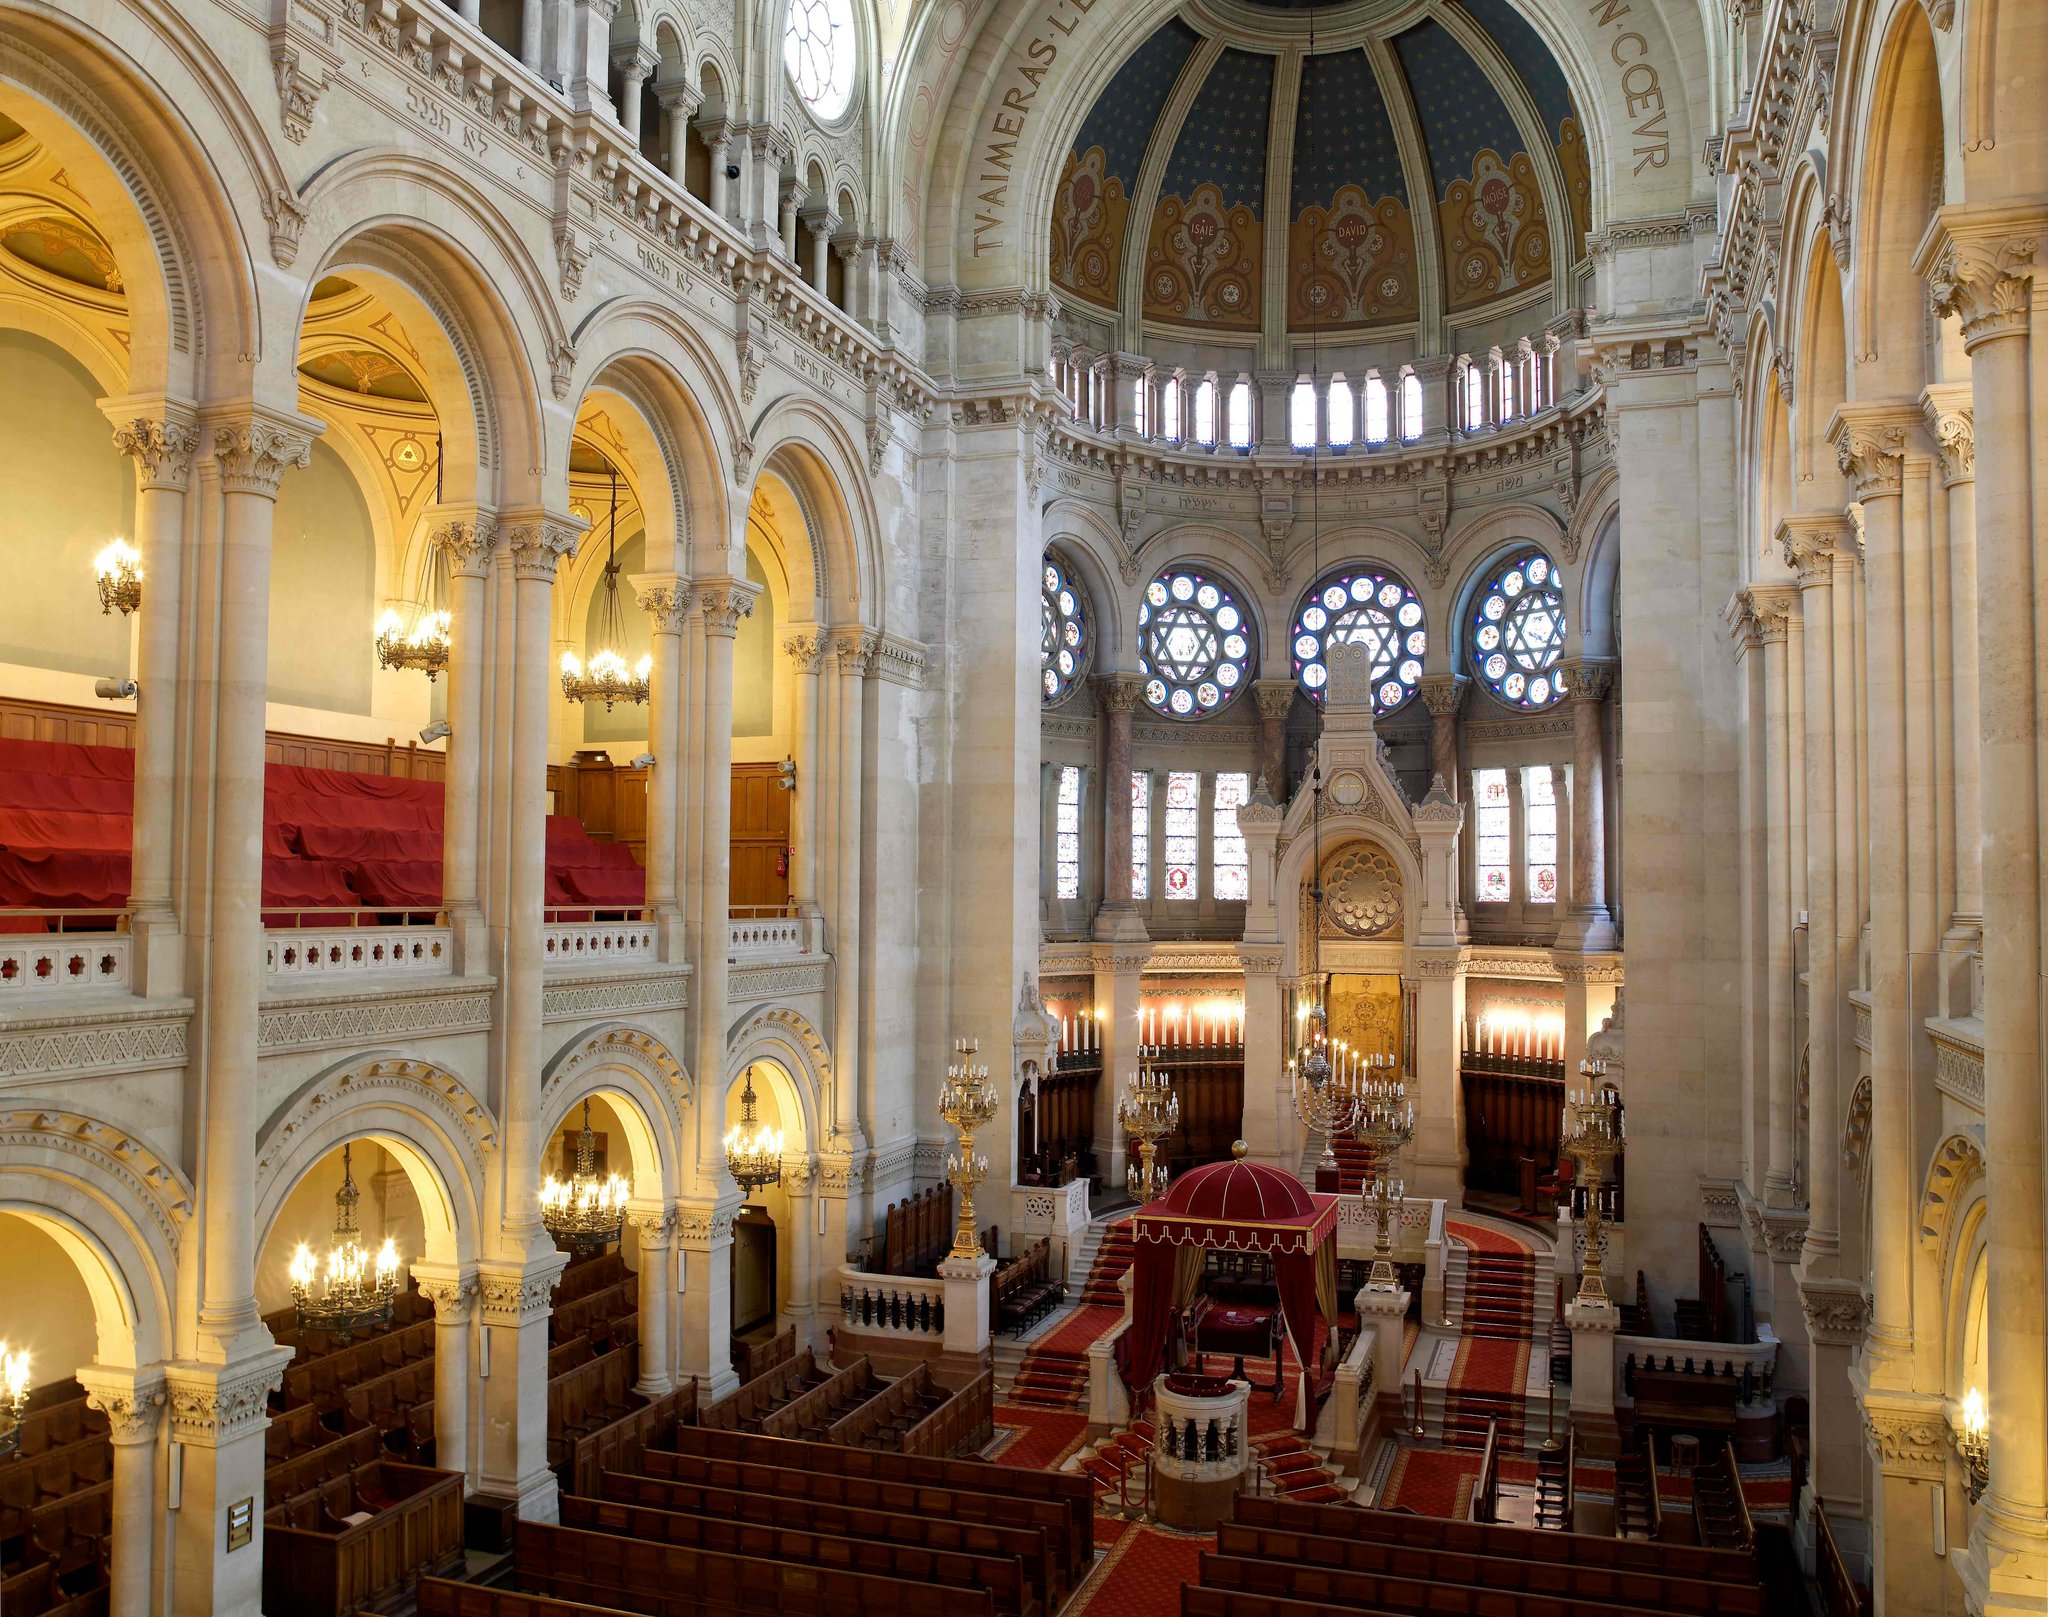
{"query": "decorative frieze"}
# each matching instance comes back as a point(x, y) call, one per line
point(395, 1012)
point(211, 1407)
point(94, 1042)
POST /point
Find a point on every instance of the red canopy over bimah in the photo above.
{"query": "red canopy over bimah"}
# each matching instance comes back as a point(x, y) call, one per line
point(1236, 1206)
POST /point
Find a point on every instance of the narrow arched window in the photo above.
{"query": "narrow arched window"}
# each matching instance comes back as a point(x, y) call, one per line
point(1411, 406)
point(1169, 410)
point(1375, 410)
point(1241, 415)
point(1343, 414)
point(1301, 416)
point(1205, 412)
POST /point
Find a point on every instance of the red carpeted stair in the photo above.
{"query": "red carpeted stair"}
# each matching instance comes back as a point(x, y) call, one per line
point(1112, 1258)
point(1117, 1455)
point(1354, 1163)
point(1295, 1471)
point(1054, 1372)
point(1488, 1381)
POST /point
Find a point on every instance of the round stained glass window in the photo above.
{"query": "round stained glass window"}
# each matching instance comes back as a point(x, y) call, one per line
point(1518, 632)
point(1194, 644)
point(1062, 633)
point(819, 50)
point(1362, 608)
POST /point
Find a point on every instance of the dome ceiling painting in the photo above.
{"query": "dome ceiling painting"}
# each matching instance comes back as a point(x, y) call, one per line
point(1174, 163)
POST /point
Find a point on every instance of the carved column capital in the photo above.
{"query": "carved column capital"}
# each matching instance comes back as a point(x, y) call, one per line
point(540, 541)
point(1952, 423)
point(133, 1402)
point(255, 450)
point(160, 438)
point(1870, 446)
point(1442, 694)
point(806, 651)
point(1837, 1311)
point(1809, 544)
point(453, 1296)
point(855, 651)
point(468, 537)
point(1907, 1433)
point(656, 1226)
point(515, 1295)
point(1979, 265)
point(664, 597)
point(1118, 693)
point(213, 1405)
point(723, 602)
point(1275, 698)
point(1590, 679)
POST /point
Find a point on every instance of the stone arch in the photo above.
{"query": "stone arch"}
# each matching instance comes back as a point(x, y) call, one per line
point(440, 1132)
point(1599, 592)
point(1856, 1131)
point(810, 453)
point(783, 1036)
point(1820, 361)
point(1955, 1175)
point(1364, 824)
point(117, 1207)
point(1236, 559)
point(619, 1060)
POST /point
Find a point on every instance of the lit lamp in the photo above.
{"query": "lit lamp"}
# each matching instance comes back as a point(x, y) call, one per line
point(421, 646)
point(13, 1397)
point(1148, 1110)
point(1593, 1136)
point(1325, 1104)
point(586, 1214)
point(753, 1153)
point(1973, 1443)
point(604, 677)
point(1386, 1120)
point(968, 1101)
point(356, 1292)
point(118, 571)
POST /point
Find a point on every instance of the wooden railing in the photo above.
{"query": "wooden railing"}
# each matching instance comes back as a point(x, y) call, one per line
point(1840, 1594)
point(1485, 1505)
point(317, 1564)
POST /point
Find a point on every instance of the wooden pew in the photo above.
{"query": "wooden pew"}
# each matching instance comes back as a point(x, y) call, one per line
point(811, 1414)
point(1515, 1543)
point(321, 1380)
point(1002, 1576)
point(1606, 1586)
point(1334, 1589)
point(883, 1419)
point(1022, 1292)
point(746, 1405)
point(71, 1534)
point(1029, 1545)
point(979, 1507)
point(586, 1275)
point(334, 1458)
point(440, 1598)
point(962, 1426)
point(1196, 1601)
point(617, 1445)
point(589, 1398)
point(383, 1401)
point(318, 1563)
point(751, 1359)
point(1073, 1491)
point(668, 1580)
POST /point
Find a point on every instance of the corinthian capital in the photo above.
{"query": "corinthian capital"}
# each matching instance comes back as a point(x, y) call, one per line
point(664, 597)
point(469, 538)
point(1590, 679)
point(807, 651)
point(1979, 267)
point(855, 649)
point(1809, 544)
point(255, 451)
point(1870, 446)
point(1119, 693)
point(1442, 694)
point(724, 602)
point(161, 441)
point(540, 541)
point(1952, 423)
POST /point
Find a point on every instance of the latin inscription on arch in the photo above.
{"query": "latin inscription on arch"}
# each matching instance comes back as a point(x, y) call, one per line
point(1642, 95)
point(998, 149)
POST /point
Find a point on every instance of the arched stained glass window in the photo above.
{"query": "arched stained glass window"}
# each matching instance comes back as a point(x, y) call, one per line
point(1194, 644)
point(1062, 632)
point(820, 51)
point(1518, 631)
point(1362, 606)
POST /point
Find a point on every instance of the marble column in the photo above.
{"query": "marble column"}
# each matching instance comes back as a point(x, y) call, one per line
point(806, 653)
point(666, 599)
point(635, 63)
point(1588, 926)
point(1276, 701)
point(133, 1402)
point(808, 1279)
point(821, 223)
point(1949, 422)
point(469, 539)
point(854, 652)
point(678, 103)
point(453, 1292)
point(654, 1227)
point(1443, 695)
point(1983, 270)
point(716, 133)
point(790, 202)
point(1116, 698)
point(161, 437)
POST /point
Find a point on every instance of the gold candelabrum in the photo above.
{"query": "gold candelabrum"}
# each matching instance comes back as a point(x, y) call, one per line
point(1386, 1122)
point(1148, 1110)
point(968, 1102)
point(14, 1379)
point(1972, 1431)
point(1593, 1137)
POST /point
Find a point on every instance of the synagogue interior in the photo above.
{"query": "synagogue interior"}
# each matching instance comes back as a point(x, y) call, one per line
point(1048, 808)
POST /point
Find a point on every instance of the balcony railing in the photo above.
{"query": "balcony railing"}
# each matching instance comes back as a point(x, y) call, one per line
point(772, 934)
point(47, 952)
point(308, 945)
point(571, 940)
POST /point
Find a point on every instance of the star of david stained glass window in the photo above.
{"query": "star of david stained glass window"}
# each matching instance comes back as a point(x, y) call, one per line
point(1062, 633)
point(1368, 608)
point(1194, 644)
point(1518, 632)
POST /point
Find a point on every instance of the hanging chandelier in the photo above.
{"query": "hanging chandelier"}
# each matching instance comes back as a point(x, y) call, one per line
point(753, 1152)
point(605, 677)
point(421, 646)
point(13, 1397)
point(356, 1292)
point(117, 569)
point(586, 1214)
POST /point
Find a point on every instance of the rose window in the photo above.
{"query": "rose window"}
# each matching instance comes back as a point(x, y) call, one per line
point(1194, 644)
point(1362, 608)
point(1062, 633)
point(1518, 632)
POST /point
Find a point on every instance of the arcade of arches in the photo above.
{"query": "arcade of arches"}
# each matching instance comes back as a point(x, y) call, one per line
point(590, 583)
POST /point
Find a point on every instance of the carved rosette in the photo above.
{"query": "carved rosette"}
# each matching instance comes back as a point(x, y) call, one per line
point(162, 449)
point(254, 455)
point(541, 543)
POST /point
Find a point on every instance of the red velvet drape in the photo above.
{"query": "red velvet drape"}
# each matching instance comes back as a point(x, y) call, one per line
point(1294, 1275)
point(1141, 1351)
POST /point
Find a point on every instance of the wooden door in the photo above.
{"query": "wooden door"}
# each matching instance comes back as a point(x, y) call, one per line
point(760, 837)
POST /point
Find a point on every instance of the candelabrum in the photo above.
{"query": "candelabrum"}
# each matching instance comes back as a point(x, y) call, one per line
point(13, 1397)
point(1148, 1110)
point(117, 570)
point(356, 1292)
point(753, 1151)
point(1386, 1121)
point(1972, 1432)
point(586, 1214)
point(1593, 1136)
point(968, 1101)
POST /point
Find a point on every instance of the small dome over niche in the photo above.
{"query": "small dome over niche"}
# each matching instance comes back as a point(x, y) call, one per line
point(1444, 146)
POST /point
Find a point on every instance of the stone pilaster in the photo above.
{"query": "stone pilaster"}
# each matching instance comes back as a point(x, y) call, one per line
point(133, 1402)
point(704, 1347)
point(1276, 700)
point(1116, 697)
point(853, 655)
point(667, 601)
point(654, 1228)
point(806, 653)
point(1588, 925)
point(469, 538)
point(512, 1447)
point(453, 1292)
point(218, 1417)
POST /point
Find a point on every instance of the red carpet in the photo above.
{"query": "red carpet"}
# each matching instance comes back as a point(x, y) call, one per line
point(1142, 1573)
point(1035, 1439)
point(1489, 1378)
point(1054, 1372)
point(1112, 1258)
point(1431, 1482)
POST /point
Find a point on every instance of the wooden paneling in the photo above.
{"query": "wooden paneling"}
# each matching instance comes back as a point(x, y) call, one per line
point(1509, 1116)
point(1211, 1095)
point(104, 727)
point(760, 838)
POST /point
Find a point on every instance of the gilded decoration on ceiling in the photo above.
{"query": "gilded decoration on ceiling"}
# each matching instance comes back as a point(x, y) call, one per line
point(65, 248)
point(1203, 261)
point(1353, 263)
point(1089, 212)
point(1577, 166)
point(1496, 238)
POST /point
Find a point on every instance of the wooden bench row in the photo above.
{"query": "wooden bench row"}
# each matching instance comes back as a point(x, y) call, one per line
point(596, 1314)
point(29, 1482)
point(589, 1398)
point(963, 1425)
point(35, 1592)
point(386, 1401)
point(70, 1535)
point(751, 1359)
point(747, 1403)
point(336, 1457)
point(1582, 1585)
point(586, 1275)
point(883, 1420)
point(440, 1598)
point(618, 1444)
point(1022, 1292)
point(322, 1381)
point(811, 1414)
point(59, 1423)
point(1002, 1576)
point(361, 1539)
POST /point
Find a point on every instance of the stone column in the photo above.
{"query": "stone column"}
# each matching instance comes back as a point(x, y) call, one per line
point(133, 1402)
point(854, 650)
point(1950, 423)
point(1443, 695)
point(470, 542)
point(218, 1418)
point(453, 1294)
point(666, 599)
point(160, 437)
point(589, 54)
point(716, 133)
point(1593, 1327)
point(1119, 980)
point(512, 1447)
point(806, 653)
point(252, 450)
point(1588, 925)
point(821, 223)
point(1116, 697)
point(678, 103)
point(1271, 1127)
point(1437, 1158)
point(635, 63)
point(790, 198)
point(532, 18)
point(655, 1228)
point(1772, 606)
point(1276, 701)
point(1983, 270)
point(806, 1279)
point(704, 1237)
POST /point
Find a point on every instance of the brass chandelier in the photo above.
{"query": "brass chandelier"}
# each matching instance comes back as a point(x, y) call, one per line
point(753, 1152)
point(421, 646)
point(356, 1292)
point(605, 677)
point(586, 1214)
point(117, 569)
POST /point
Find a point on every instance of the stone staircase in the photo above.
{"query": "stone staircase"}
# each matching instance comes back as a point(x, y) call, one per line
point(1045, 1377)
